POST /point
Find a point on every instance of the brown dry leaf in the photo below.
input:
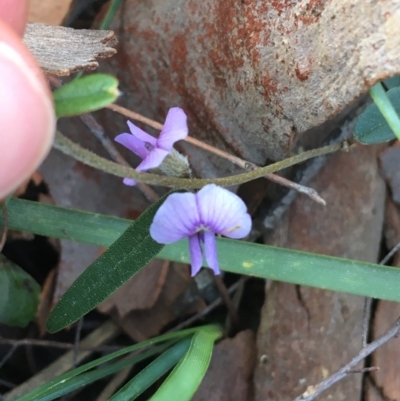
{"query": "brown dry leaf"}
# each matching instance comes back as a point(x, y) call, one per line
point(140, 292)
point(390, 164)
point(306, 333)
point(177, 299)
point(253, 75)
point(229, 376)
point(46, 301)
point(48, 11)
point(62, 51)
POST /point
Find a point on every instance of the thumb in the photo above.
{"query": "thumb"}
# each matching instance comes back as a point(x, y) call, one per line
point(27, 121)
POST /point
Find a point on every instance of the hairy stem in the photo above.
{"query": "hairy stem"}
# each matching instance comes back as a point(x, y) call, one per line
point(89, 158)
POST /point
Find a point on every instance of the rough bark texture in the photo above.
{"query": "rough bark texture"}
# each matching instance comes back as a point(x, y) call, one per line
point(305, 333)
point(62, 51)
point(252, 74)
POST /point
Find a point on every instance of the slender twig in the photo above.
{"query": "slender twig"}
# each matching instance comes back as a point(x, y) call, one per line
point(366, 319)
point(54, 344)
point(87, 157)
point(244, 164)
point(314, 391)
point(368, 300)
point(208, 309)
point(77, 339)
point(97, 130)
point(5, 225)
point(226, 297)
point(365, 370)
point(8, 355)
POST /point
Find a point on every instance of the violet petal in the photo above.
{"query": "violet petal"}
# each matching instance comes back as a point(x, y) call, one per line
point(134, 144)
point(223, 212)
point(153, 159)
point(129, 181)
point(176, 218)
point(140, 134)
point(210, 249)
point(196, 255)
point(175, 128)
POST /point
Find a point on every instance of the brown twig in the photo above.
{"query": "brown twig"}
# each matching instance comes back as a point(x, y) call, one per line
point(97, 130)
point(246, 165)
point(208, 309)
point(226, 297)
point(54, 344)
point(368, 300)
point(314, 391)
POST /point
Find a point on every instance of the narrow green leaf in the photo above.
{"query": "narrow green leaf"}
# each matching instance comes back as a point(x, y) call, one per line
point(371, 127)
point(240, 257)
point(151, 373)
point(185, 379)
point(86, 94)
point(19, 294)
point(79, 381)
point(53, 384)
point(125, 257)
point(392, 82)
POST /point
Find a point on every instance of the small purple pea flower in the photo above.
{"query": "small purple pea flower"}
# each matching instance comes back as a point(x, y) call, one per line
point(212, 210)
point(153, 151)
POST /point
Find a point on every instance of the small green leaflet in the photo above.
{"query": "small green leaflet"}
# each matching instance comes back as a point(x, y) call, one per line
point(371, 127)
point(133, 250)
point(86, 94)
point(19, 294)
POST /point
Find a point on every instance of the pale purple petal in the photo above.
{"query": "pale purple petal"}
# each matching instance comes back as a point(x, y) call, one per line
point(153, 159)
point(210, 249)
point(129, 182)
point(140, 134)
point(175, 128)
point(134, 144)
point(223, 212)
point(176, 218)
point(196, 255)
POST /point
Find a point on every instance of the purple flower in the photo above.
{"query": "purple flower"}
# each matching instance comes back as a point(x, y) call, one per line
point(212, 210)
point(153, 151)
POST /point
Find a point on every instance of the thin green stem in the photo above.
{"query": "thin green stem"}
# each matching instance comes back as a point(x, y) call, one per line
point(385, 106)
point(89, 158)
point(112, 10)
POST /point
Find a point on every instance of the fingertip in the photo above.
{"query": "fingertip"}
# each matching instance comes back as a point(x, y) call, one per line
point(15, 14)
point(27, 115)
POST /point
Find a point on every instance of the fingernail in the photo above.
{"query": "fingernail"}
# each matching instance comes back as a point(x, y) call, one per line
point(27, 119)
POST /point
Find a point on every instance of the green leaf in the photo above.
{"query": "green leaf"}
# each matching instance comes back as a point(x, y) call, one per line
point(19, 294)
point(67, 386)
point(371, 127)
point(392, 82)
point(239, 257)
point(185, 379)
point(53, 385)
point(83, 95)
point(151, 373)
point(125, 257)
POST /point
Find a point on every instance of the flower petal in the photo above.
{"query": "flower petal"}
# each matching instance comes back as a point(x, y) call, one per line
point(175, 128)
point(134, 144)
point(196, 255)
point(140, 134)
point(129, 181)
point(223, 212)
point(176, 218)
point(210, 248)
point(154, 158)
